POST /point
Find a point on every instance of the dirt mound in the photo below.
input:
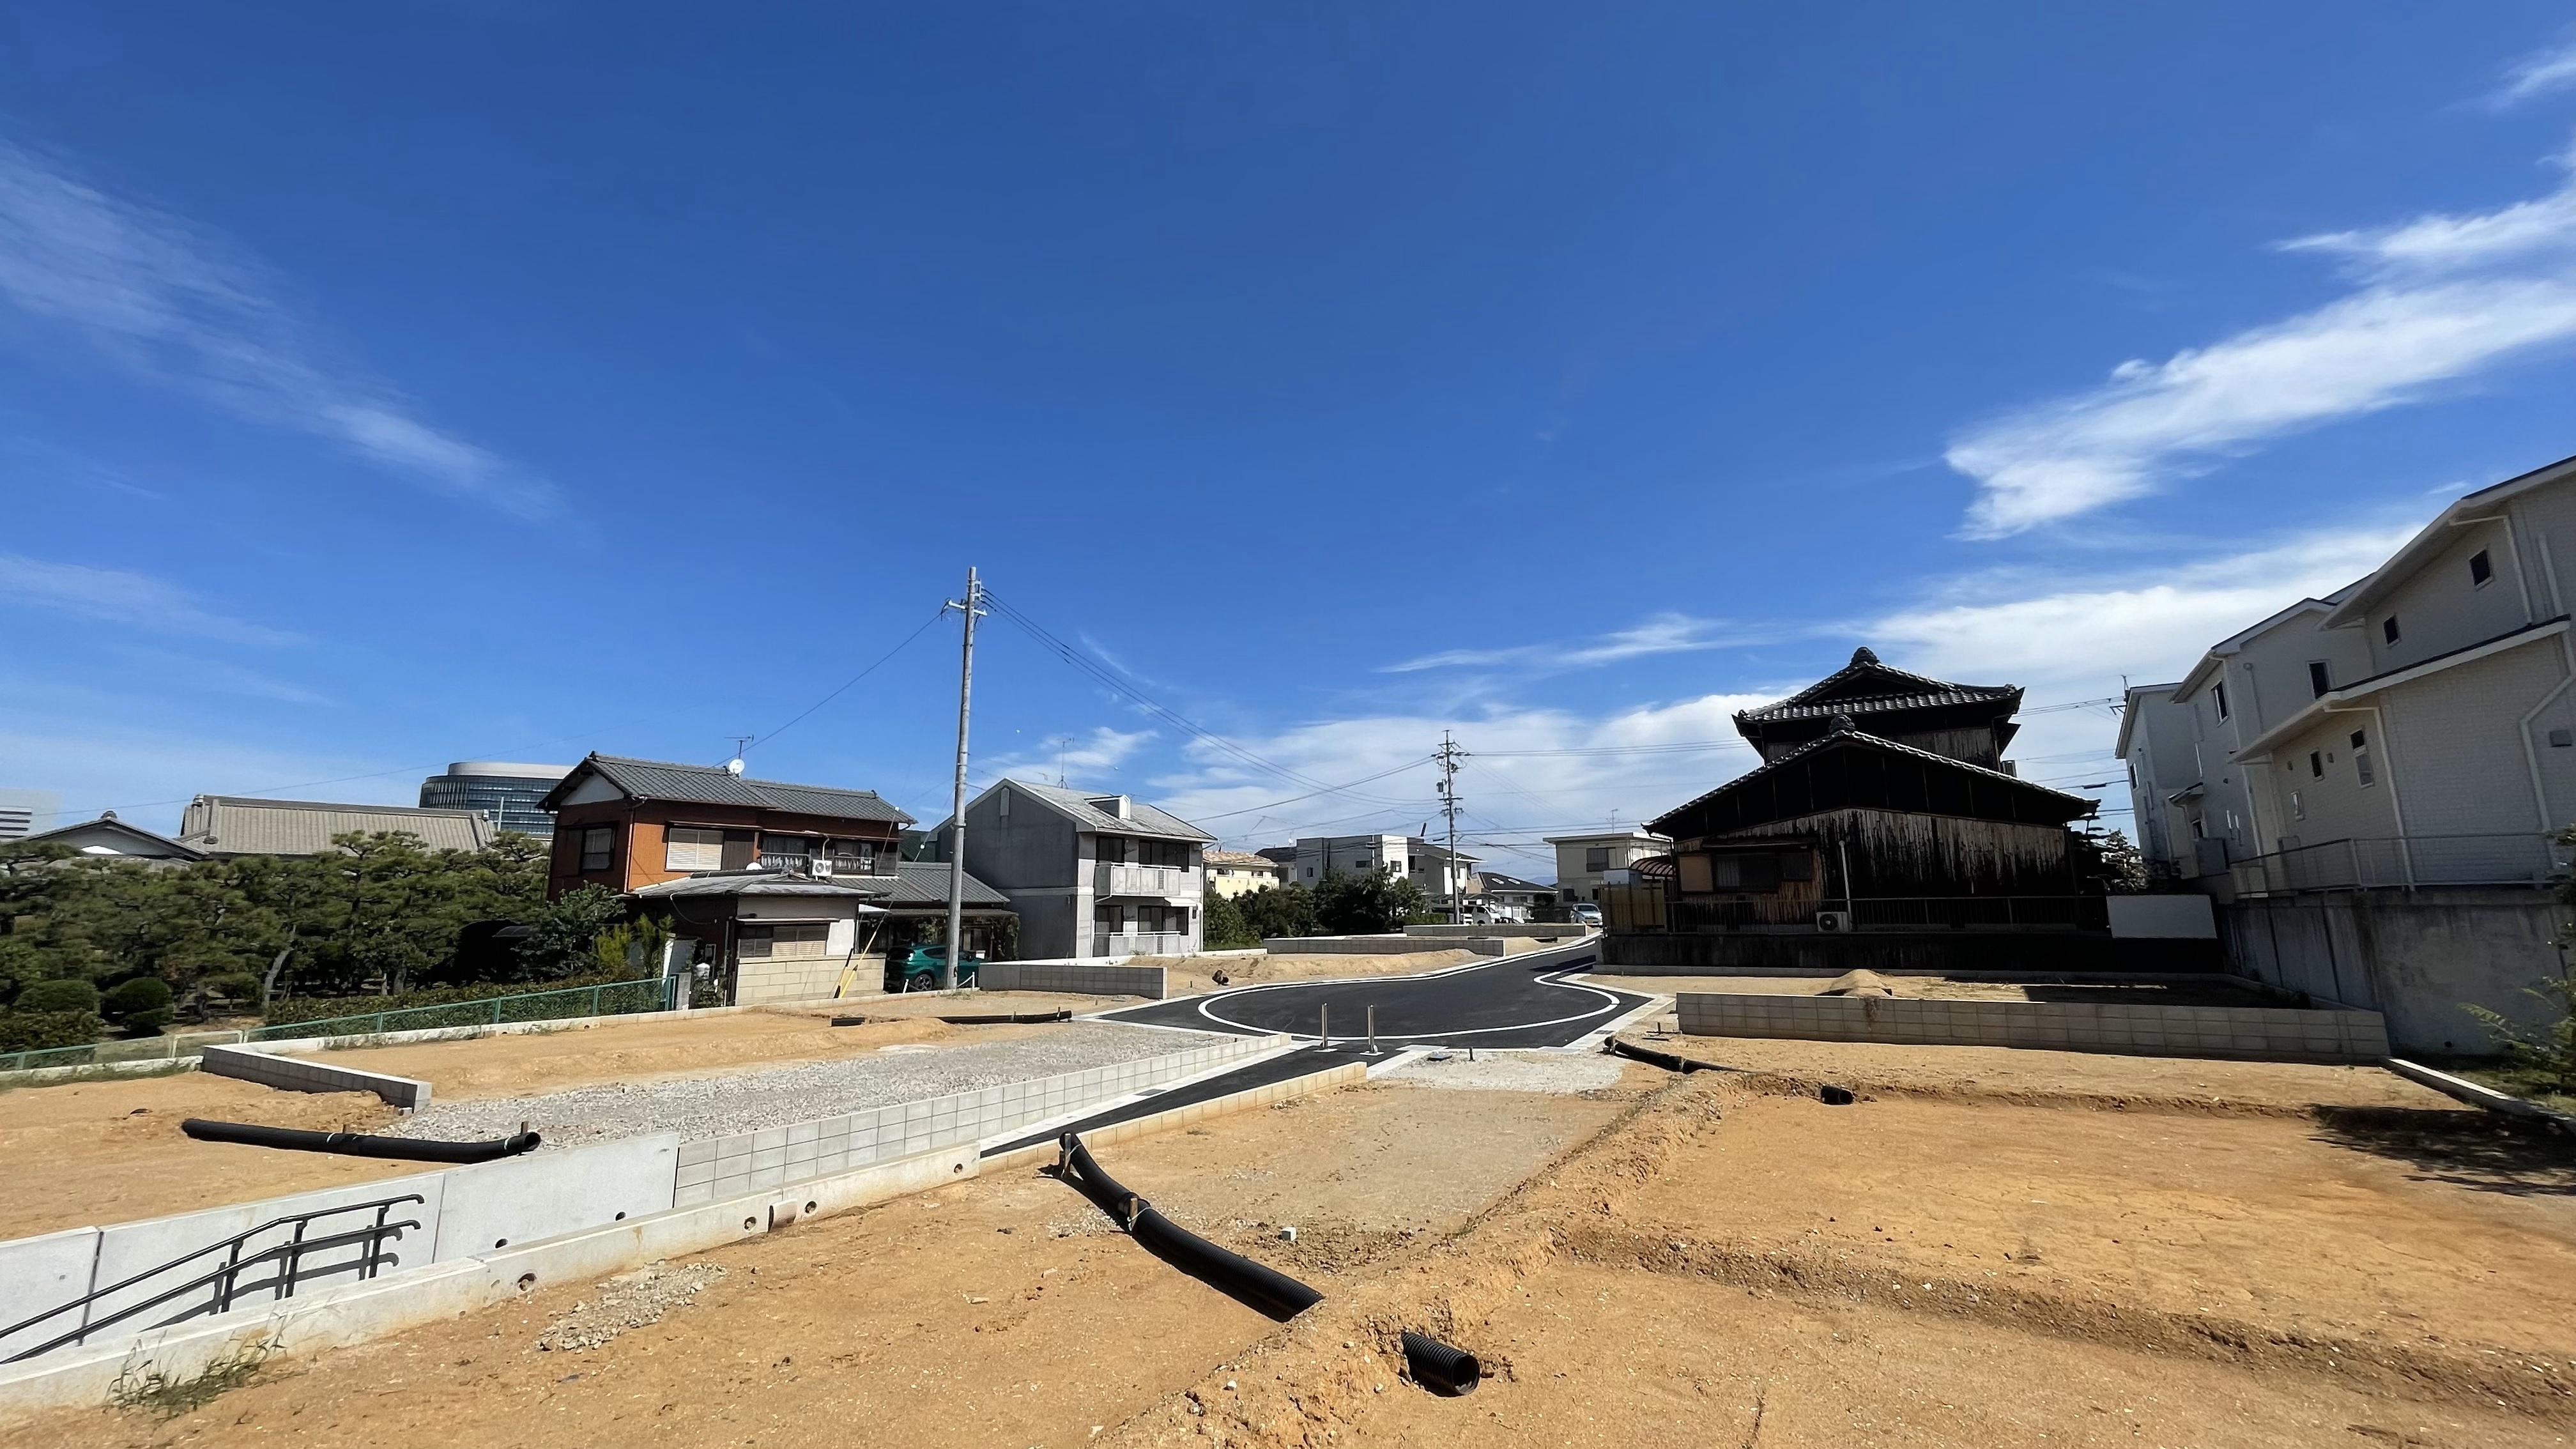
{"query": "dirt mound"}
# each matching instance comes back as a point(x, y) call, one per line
point(1861, 983)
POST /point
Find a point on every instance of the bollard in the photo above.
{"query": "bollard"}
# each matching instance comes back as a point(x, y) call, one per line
point(1324, 1027)
point(1372, 1029)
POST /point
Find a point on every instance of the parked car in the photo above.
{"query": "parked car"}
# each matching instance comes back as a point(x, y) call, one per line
point(919, 968)
point(1586, 914)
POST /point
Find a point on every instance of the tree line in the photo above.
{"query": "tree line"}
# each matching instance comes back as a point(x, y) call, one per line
point(380, 913)
point(1342, 904)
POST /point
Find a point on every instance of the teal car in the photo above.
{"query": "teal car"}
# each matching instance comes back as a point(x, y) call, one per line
point(919, 968)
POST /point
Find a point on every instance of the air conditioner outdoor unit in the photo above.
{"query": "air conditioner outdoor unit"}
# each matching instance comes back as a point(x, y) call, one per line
point(1836, 921)
point(819, 866)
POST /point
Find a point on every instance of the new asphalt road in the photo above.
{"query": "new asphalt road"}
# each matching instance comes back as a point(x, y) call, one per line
point(1506, 1003)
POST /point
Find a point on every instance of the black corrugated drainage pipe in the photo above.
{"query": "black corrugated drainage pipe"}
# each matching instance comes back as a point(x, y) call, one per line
point(1438, 1367)
point(1653, 1058)
point(1263, 1289)
point(358, 1144)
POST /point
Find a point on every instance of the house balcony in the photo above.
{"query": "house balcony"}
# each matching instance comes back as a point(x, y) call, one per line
point(1159, 882)
point(1142, 943)
point(2402, 862)
point(800, 863)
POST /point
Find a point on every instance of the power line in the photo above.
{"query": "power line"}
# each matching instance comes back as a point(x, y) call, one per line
point(1333, 790)
point(853, 679)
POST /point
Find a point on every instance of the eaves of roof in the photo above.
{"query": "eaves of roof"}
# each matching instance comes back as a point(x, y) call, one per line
point(1862, 737)
point(1881, 704)
point(2214, 659)
point(2488, 502)
point(2325, 703)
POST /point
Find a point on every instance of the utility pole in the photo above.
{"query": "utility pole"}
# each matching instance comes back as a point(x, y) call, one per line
point(972, 607)
point(1449, 757)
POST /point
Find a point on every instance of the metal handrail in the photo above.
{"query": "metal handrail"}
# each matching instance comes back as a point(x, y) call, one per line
point(292, 1251)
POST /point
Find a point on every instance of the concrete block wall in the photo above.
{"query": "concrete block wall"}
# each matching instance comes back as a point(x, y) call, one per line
point(722, 1167)
point(1075, 976)
point(803, 978)
point(300, 1074)
point(2250, 1032)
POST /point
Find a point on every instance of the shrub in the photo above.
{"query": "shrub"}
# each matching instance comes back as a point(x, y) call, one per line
point(35, 1031)
point(232, 985)
point(141, 1006)
point(54, 996)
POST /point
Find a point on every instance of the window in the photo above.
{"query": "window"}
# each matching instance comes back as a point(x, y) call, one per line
point(1745, 872)
point(2388, 629)
point(2316, 766)
point(688, 848)
point(598, 847)
point(1695, 876)
point(2480, 570)
point(2361, 756)
point(2218, 697)
point(2298, 807)
point(2319, 679)
point(1596, 857)
point(2197, 832)
point(2561, 739)
point(1797, 865)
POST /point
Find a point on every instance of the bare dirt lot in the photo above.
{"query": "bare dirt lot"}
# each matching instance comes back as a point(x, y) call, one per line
point(111, 1150)
point(1002, 1312)
point(1937, 988)
point(1988, 1248)
point(1196, 975)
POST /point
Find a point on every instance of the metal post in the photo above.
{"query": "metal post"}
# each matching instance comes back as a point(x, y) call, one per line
point(971, 606)
point(1324, 1027)
point(1372, 1029)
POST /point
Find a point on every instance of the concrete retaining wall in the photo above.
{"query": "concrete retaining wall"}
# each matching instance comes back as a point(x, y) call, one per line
point(1083, 977)
point(2043, 953)
point(747, 1162)
point(2416, 956)
point(1371, 945)
point(2251, 1032)
point(298, 1074)
point(1534, 930)
point(332, 1317)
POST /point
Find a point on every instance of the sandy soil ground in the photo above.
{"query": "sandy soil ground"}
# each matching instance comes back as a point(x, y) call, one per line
point(106, 1151)
point(1003, 1312)
point(2096, 1079)
point(2052, 1249)
point(660, 1050)
point(112, 1150)
point(1937, 988)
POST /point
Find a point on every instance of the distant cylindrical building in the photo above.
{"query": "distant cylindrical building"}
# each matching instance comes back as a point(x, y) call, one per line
point(506, 792)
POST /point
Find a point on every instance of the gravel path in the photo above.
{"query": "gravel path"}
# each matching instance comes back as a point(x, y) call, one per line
point(1538, 1071)
point(752, 1100)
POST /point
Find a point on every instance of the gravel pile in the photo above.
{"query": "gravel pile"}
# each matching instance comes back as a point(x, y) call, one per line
point(1510, 1071)
point(754, 1100)
point(629, 1300)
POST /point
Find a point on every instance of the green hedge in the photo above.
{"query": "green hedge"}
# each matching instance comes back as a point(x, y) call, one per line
point(35, 1031)
point(317, 1008)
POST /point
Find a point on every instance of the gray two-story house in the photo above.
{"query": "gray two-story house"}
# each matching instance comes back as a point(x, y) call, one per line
point(1089, 874)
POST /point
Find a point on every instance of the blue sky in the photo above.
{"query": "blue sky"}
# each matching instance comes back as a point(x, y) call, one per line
point(387, 385)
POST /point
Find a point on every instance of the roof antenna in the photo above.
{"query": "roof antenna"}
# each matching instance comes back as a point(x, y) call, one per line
point(741, 746)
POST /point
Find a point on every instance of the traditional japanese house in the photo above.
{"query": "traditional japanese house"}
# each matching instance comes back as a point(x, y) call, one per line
point(1883, 803)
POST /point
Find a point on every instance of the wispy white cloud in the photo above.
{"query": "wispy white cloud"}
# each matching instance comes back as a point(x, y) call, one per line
point(118, 597)
point(1667, 633)
point(2435, 299)
point(1077, 758)
point(164, 300)
point(2542, 71)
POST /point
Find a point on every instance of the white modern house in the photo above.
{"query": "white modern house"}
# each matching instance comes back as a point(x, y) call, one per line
point(1089, 874)
point(1439, 874)
point(2369, 782)
point(1582, 861)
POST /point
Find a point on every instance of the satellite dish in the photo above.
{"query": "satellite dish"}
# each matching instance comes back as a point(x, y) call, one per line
point(734, 765)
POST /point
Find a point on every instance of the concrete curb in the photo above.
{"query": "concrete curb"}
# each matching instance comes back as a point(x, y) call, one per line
point(88, 1376)
point(250, 1064)
point(2479, 1095)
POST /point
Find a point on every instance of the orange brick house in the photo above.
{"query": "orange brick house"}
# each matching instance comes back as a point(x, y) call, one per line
point(626, 824)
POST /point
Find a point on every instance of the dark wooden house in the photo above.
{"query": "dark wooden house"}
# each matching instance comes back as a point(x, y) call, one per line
point(1882, 802)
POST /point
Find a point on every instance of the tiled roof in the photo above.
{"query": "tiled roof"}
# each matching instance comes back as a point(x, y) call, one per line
point(1882, 688)
point(1237, 860)
point(925, 882)
point(754, 883)
point(1143, 819)
point(711, 785)
point(1848, 735)
point(243, 825)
